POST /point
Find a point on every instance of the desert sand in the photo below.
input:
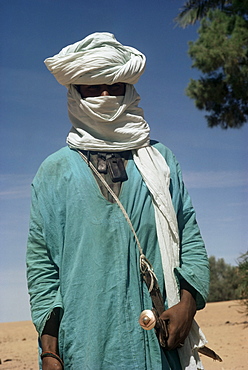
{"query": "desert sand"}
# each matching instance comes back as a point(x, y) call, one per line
point(224, 324)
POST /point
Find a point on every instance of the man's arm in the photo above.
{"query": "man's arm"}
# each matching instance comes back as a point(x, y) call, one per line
point(49, 341)
point(43, 285)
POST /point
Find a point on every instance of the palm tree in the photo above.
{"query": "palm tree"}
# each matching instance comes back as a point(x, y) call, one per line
point(194, 10)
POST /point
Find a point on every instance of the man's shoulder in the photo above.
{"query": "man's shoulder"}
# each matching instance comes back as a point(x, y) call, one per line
point(60, 156)
point(56, 161)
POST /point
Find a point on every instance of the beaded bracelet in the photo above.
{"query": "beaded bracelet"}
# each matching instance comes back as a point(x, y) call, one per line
point(52, 354)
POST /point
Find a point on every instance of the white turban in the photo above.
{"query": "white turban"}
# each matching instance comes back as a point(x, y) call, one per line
point(97, 59)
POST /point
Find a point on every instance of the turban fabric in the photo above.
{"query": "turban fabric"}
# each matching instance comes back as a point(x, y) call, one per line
point(97, 59)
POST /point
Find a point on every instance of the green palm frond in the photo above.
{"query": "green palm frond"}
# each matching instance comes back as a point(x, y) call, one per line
point(194, 10)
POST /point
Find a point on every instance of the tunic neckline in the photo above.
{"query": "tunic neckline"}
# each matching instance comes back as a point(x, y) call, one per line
point(117, 187)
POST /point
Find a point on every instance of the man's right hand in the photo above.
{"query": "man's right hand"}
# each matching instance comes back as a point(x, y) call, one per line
point(50, 363)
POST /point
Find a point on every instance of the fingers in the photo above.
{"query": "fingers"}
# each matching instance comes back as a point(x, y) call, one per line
point(174, 338)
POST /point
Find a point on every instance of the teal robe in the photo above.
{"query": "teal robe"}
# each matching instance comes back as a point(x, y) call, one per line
point(82, 257)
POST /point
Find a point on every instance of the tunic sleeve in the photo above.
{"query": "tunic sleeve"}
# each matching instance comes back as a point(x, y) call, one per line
point(194, 267)
point(42, 273)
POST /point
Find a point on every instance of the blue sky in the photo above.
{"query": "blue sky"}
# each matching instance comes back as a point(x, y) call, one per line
point(34, 121)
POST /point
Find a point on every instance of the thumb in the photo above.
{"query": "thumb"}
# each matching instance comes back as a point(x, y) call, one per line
point(165, 315)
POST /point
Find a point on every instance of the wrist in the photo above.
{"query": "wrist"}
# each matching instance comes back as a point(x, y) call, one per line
point(49, 343)
point(188, 300)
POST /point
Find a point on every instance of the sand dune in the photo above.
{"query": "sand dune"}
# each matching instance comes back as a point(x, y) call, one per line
point(224, 324)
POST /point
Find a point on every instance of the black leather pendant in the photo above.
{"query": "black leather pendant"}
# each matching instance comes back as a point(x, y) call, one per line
point(102, 163)
point(116, 168)
point(112, 163)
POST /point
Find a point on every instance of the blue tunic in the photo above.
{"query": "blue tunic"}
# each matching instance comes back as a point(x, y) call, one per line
point(82, 257)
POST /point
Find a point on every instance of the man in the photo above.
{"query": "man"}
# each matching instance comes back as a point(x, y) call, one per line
point(83, 256)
